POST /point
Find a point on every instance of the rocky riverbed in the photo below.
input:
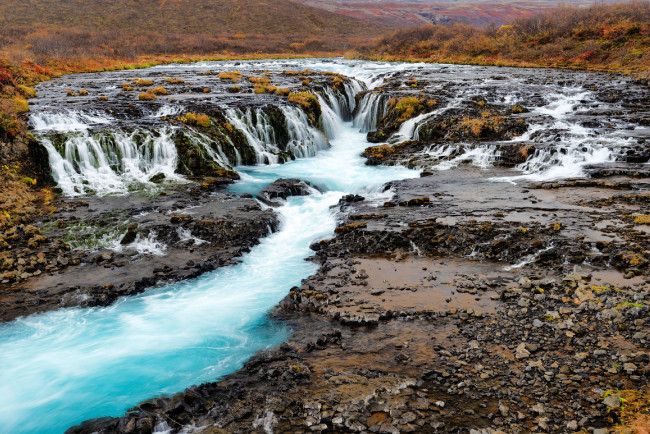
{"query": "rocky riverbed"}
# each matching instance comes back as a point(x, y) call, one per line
point(457, 336)
point(505, 289)
point(461, 303)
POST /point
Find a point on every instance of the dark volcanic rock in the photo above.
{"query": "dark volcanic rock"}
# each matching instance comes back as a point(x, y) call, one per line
point(283, 188)
point(83, 273)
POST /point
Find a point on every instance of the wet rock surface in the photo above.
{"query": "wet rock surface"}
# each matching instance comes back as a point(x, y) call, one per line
point(92, 251)
point(283, 188)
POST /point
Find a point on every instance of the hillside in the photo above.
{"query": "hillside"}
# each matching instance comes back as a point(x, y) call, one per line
point(182, 16)
point(53, 29)
point(608, 37)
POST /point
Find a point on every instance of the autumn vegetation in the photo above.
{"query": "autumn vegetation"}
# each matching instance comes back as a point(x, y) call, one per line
point(608, 37)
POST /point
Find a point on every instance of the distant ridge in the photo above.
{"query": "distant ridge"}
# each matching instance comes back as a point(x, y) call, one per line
point(211, 17)
point(409, 13)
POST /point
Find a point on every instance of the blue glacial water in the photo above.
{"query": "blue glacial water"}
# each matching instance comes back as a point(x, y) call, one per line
point(60, 368)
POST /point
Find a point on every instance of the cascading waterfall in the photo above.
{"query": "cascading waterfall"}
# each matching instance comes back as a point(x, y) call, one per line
point(479, 156)
point(70, 120)
point(258, 131)
point(103, 161)
point(565, 145)
point(304, 140)
point(213, 148)
point(329, 118)
point(110, 161)
point(343, 103)
point(62, 367)
point(407, 131)
point(372, 108)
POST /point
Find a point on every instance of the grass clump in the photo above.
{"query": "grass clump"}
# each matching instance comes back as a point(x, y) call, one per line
point(234, 76)
point(406, 107)
point(20, 105)
point(176, 80)
point(142, 82)
point(147, 96)
point(259, 80)
point(642, 220)
point(305, 99)
point(158, 91)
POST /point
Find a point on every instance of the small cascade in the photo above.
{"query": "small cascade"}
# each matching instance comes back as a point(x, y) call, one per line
point(352, 90)
point(110, 161)
point(563, 146)
point(343, 102)
point(304, 140)
point(258, 131)
point(214, 149)
point(329, 118)
point(479, 156)
point(167, 111)
point(372, 108)
point(410, 128)
point(437, 153)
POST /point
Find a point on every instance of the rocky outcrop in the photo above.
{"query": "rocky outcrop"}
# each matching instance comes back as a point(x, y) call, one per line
point(70, 258)
point(283, 188)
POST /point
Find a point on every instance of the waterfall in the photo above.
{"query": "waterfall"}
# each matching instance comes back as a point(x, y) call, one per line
point(258, 132)
point(329, 118)
point(304, 140)
point(110, 161)
point(565, 146)
point(69, 120)
point(343, 102)
point(409, 130)
point(372, 108)
point(213, 148)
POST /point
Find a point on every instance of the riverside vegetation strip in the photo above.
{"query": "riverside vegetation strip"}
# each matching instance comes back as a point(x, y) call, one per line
point(450, 301)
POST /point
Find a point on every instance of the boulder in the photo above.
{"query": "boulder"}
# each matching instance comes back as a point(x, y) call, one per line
point(286, 187)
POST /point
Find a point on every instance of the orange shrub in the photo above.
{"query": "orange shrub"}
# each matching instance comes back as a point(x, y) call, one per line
point(192, 118)
point(146, 96)
point(176, 80)
point(259, 80)
point(141, 82)
point(234, 76)
point(158, 91)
